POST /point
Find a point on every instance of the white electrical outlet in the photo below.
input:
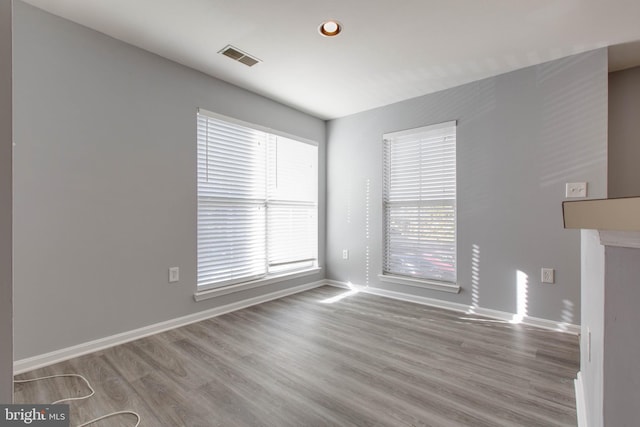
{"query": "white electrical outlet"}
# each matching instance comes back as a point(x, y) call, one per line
point(576, 189)
point(345, 254)
point(547, 275)
point(174, 274)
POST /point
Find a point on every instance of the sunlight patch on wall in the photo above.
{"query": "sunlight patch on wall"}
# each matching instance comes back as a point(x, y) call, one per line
point(522, 283)
point(475, 278)
point(566, 315)
point(367, 230)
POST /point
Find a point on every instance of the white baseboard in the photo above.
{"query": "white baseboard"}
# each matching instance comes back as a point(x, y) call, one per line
point(56, 356)
point(581, 408)
point(494, 314)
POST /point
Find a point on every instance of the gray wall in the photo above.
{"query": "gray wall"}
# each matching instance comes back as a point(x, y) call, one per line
point(621, 344)
point(105, 182)
point(6, 309)
point(624, 133)
point(622, 290)
point(521, 137)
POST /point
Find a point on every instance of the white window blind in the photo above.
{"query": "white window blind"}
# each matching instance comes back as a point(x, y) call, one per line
point(419, 200)
point(257, 203)
point(292, 204)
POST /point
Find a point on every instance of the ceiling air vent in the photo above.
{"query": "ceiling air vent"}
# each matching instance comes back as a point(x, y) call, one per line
point(240, 56)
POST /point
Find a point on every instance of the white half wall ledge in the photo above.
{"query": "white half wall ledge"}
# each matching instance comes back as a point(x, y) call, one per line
point(419, 283)
point(40, 361)
point(463, 308)
point(217, 292)
point(623, 239)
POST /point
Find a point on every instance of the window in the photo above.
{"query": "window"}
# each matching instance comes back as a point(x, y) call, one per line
point(419, 199)
point(257, 202)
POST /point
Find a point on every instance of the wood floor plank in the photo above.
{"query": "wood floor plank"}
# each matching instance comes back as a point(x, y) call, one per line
point(362, 360)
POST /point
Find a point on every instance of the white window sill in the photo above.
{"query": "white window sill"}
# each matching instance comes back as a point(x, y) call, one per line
point(421, 283)
point(225, 290)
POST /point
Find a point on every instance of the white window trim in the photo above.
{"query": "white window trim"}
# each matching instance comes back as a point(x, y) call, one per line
point(205, 294)
point(256, 126)
point(421, 282)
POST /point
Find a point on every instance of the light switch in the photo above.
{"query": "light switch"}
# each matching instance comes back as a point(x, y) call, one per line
point(174, 274)
point(576, 189)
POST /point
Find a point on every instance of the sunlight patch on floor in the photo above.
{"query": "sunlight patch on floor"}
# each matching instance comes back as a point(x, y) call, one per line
point(352, 291)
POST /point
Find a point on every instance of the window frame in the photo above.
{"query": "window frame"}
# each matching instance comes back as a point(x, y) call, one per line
point(387, 274)
point(208, 290)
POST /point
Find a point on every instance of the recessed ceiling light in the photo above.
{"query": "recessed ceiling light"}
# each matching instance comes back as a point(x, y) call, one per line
point(330, 28)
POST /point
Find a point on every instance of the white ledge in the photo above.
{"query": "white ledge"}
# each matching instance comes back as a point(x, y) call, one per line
point(623, 239)
point(420, 283)
point(225, 290)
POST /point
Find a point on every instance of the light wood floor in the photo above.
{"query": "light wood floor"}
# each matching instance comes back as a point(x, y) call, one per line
point(360, 361)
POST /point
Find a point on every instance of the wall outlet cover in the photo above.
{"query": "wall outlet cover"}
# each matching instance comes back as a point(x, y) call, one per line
point(174, 274)
point(576, 189)
point(547, 275)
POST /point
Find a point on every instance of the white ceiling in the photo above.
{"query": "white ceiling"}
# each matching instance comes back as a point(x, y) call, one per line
point(389, 50)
